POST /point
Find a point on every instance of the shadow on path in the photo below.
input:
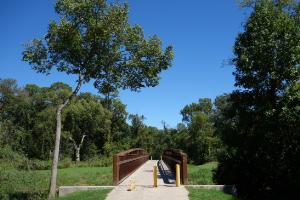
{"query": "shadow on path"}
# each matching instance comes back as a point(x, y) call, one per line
point(165, 173)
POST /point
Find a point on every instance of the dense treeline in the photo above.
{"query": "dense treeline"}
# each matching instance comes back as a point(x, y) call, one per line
point(95, 127)
point(260, 127)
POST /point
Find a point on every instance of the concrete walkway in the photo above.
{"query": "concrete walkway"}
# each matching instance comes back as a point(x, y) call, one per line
point(143, 178)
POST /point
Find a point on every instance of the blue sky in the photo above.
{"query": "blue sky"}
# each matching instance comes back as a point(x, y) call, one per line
point(202, 33)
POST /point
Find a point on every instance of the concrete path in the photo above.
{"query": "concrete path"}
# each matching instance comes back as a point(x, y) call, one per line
point(143, 178)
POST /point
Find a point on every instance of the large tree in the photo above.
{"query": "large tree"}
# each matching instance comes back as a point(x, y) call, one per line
point(94, 41)
point(204, 105)
point(87, 121)
point(201, 142)
point(261, 124)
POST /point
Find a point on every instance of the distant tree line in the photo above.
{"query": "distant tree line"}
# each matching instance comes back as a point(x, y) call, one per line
point(94, 126)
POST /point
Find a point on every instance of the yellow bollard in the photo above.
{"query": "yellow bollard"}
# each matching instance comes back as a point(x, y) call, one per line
point(155, 176)
point(177, 175)
point(131, 186)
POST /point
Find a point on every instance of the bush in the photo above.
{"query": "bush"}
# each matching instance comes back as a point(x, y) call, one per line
point(22, 163)
point(40, 195)
point(9, 158)
point(65, 163)
point(7, 153)
point(92, 162)
point(34, 165)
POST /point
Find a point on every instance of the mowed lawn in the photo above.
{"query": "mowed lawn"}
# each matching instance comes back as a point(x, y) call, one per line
point(13, 180)
point(201, 174)
point(87, 195)
point(206, 194)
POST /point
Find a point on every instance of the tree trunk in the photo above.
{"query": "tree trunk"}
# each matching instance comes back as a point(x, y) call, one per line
point(77, 154)
point(56, 154)
point(52, 189)
point(77, 147)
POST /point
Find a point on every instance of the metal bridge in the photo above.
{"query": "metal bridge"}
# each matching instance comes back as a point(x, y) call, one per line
point(136, 176)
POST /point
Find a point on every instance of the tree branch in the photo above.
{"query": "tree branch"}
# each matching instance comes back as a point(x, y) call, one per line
point(81, 142)
point(74, 143)
point(79, 84)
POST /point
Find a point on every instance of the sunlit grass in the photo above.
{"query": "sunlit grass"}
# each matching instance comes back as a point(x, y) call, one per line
point(201, 174)
point(37, 181)
point(87, 195)
point(208, 194)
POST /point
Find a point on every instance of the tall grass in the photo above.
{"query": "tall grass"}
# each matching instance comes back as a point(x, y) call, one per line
point(201, 174)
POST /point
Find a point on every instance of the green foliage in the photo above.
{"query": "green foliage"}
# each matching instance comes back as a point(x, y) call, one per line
point(261, 126)
point(88, 117)
point(6, 153)
point(198, 194)
point(94, 39)
point(201, 141)
point(201, 138)
point(28, 195)
point(201, 174)
point(87, 195)
point(203, 106)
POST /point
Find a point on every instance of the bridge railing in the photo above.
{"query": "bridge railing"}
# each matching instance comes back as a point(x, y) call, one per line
point(176, 156)
point(126, 162)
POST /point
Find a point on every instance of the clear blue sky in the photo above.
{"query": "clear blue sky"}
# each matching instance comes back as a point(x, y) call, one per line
point(202, 33)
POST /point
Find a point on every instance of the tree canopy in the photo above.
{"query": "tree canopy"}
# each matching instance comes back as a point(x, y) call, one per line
point(260, 126)
point(94, 40)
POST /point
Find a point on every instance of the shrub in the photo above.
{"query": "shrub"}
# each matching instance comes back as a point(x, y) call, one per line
point(28, 195)
point(34, 164)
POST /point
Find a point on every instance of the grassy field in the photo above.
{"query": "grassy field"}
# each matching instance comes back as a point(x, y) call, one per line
point(87, 195)
point(17, 181)
point(201, 174)
point(201, 194)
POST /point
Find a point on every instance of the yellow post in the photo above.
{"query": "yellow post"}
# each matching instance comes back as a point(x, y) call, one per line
point(155, 176)
point(132, 185)
point(177, 175)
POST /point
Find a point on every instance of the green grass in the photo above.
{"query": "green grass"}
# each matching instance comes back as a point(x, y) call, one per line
point(201, 174)
point(16, 181)
point(87, 195)
point(206, 194)
point(85, 176)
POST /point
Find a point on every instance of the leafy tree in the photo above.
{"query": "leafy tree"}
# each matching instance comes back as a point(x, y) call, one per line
point(119, 126)
point(8, 89)
point(137, 127)
point(41, 140)
point(201, 141)
point(204, 105)
point(222, 104)
point(86, 120)
point(261, 130)
point(94, 41)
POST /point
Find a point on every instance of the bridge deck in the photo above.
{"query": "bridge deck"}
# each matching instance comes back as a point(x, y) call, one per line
point(143, 178)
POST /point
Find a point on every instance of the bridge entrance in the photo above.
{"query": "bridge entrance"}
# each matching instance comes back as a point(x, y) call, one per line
point(134, 167)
